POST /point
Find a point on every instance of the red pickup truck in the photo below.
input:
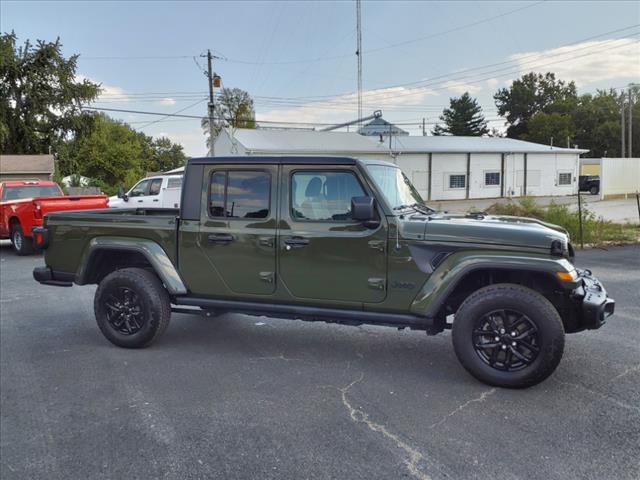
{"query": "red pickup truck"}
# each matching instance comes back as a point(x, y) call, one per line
point(24, 203)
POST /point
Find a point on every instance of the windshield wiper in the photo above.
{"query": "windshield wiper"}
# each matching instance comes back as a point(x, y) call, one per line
point(417, 207)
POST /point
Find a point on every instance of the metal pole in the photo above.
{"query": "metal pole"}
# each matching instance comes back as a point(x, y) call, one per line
point(630, 126)
point(211, 102)
point(638, 202)
point(424, 129)
point(623, 148)
point(359, 55)
point(580, 220)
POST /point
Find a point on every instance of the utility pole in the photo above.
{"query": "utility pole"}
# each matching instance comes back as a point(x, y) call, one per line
point(623, 148)
point(630, 126)
point(359, 55)
point(211, 102)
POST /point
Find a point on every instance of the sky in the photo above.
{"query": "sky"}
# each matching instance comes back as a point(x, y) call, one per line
point(297, 59)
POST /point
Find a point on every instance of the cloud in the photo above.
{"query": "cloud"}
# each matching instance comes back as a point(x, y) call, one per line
point(586, 62)
point(461, 87)
point(343, 107)
point(167, 101)
point(108, 92)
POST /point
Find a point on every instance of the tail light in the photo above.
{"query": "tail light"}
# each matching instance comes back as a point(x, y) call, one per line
point(37, 211)
point(40, 238)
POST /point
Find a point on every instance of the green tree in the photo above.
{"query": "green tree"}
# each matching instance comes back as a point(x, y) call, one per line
point(110, 152)
point(550, 128)
point(234, 108)
point(40, 96)
point(597, 123)
point(167, 155)
point(463, 118)
point(531, 94)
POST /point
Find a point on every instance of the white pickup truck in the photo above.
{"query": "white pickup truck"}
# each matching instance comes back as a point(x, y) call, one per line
point(162, 191)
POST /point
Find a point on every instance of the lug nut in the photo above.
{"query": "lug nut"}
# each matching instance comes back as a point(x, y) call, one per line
point(502, 330)
point(513, 344)
point(504, 347)
point(513, 334)
point(497, 339)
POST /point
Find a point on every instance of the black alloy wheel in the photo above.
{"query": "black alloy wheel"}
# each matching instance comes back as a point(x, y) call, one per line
point(124, 311)
point(506, 340)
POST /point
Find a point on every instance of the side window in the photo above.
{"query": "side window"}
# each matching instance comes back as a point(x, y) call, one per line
point(323, 195)
point(155, 186)
point(175, 182)
point(240, 194)
point(140, 189)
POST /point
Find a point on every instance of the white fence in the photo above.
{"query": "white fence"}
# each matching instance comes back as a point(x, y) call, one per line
point(619, 177)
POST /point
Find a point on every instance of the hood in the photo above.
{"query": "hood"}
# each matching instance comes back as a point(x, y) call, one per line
point(485, 229)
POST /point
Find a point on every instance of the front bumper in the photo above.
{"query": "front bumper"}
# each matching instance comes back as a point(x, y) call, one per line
point(594, 304)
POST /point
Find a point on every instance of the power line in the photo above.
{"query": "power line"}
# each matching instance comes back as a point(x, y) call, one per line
point(325, 58)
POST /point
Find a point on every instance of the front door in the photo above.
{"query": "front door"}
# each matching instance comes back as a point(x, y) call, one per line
point(324, 254)
point(238, 229)
point(146, 194)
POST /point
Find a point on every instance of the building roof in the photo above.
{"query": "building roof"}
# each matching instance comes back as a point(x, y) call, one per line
point(263, 141)
point(26, 164)
point(379, 126)
point(303, 141)
point(452, 144)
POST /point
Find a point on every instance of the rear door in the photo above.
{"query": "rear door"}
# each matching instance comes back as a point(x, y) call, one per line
point(238, 228)
point(325, 255)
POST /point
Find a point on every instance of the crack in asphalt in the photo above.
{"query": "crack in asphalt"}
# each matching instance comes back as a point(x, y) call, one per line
point(601, 395)
point(360, 416)
point(626, 372)
point(461, 407)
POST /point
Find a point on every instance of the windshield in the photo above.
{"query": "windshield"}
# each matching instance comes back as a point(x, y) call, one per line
point(30, 191)
point(395, 186)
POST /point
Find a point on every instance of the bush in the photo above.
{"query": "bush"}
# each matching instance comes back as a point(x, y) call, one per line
point(595, 231)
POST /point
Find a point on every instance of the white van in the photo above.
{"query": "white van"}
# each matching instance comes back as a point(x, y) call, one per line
point(162, 191)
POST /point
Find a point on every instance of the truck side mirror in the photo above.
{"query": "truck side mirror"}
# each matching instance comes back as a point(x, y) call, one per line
point(122, 194)
point(363, 209)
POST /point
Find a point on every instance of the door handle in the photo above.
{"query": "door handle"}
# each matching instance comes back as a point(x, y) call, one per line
point(296, 241)
point(139, 201)
point(155, 199)
point(220, 237)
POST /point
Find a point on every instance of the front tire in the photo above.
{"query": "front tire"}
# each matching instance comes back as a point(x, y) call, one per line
point(21, 245)
point(594, 190)
point(507, 335)
point(132, 307)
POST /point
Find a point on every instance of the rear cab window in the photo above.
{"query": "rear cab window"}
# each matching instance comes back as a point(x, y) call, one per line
point(240, 194)
point(29, 191)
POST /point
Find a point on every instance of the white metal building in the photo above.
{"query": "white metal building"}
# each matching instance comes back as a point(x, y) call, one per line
point(441, 168)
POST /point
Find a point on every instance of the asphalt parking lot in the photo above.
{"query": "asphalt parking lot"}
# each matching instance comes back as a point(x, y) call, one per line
point(242, 397)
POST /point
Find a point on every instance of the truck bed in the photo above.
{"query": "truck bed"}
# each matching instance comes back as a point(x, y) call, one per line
point(72, 231)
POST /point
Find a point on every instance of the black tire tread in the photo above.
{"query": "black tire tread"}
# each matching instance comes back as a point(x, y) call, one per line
point(550, 357)
point(149, 282)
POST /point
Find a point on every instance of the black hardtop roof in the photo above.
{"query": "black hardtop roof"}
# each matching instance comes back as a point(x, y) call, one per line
point(251, 159)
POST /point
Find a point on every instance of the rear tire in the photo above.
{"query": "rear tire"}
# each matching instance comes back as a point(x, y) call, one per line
point(132, 307)
point(594, 190)
point(21, 245)
point(507, 335)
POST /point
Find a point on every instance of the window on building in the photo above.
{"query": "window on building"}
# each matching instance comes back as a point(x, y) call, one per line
point(491, 179)
point(564, 178)
point(457, 181)
point(323, 195)
point(175, 182)
point(240, 194)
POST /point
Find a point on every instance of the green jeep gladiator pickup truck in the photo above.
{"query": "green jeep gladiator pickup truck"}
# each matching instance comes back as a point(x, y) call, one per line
point(333, 239)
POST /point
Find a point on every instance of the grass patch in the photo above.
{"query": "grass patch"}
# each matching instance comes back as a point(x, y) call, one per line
point(595, 230)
